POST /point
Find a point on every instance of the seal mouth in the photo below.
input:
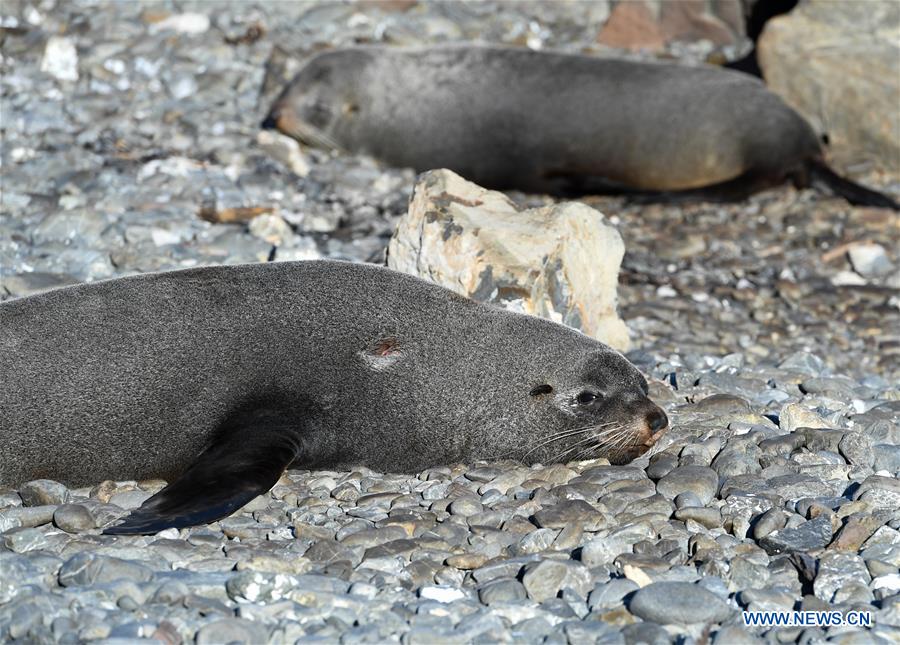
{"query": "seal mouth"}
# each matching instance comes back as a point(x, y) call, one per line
point(294, 127)
point(639, 448)
point(656, 436)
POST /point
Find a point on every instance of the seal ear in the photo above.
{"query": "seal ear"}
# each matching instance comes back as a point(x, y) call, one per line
point(241, 464)
point(541, 389)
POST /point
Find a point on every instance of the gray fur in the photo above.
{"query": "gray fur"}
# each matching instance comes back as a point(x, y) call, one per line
point(559, 123)
point(516, 118)
point(133, 377)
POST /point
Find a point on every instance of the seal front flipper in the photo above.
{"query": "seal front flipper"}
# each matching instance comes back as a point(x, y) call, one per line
point(234, 469)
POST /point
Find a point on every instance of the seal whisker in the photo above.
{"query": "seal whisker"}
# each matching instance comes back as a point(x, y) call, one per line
point(553, 438)
point(592, 436)
point(600, 440)
point(560, 455)
point(564, 434)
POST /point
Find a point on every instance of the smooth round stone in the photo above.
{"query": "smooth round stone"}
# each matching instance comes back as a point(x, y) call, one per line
point(575, 511)
point(89, 568)
point(21, 540)
point(73, 518)
point(734, 635)
point(670, 603)
point(611, 594)
point(809, 536)
point(772, 520)
point(465, 506)
point(131, 499)
point(722, 405)
point(170, 592)
point(27, 516)
point(708, 517)
point(466, 561)
point(483, 474)
point(661, 465)
point(700, 480)
point(794, 415)
point(687, 499)
point(537, 541)
point(578, 631)
point(548, 577)
point(645, 634)
point(42, 492)
point(857, 449)
point(502, 590)
point(231, 630)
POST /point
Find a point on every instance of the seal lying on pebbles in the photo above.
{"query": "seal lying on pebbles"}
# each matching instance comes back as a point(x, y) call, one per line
point(558, 123)
point(218, 378)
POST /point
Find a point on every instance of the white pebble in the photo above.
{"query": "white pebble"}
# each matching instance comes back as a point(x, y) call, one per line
point(442, 594)
point(185, 23)
point(60, 59)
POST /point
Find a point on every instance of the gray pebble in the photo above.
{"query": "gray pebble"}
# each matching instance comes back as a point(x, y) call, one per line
point(708, 517)
point(809, 536)
point(43, 492)
point(669, 603)
point(20, 540)
point(611, 594)
point(73, 518)
point(700, 480)
point(857, 449)
point(502, 590)
point(548, 577)
point(569, 512)
point(232, 630)
point(465, 506)
point(84, 569)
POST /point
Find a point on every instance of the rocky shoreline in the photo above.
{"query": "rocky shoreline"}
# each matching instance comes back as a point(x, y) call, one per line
point(769, 330)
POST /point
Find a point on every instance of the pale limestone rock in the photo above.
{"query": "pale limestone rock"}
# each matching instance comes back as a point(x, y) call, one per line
point(559, 262)
point(284, 150)
point(838, 64)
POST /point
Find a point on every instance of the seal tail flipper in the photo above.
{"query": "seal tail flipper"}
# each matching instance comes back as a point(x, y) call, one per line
point(227, 475)
point(849, 190)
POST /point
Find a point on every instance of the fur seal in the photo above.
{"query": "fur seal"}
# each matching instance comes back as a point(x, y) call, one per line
point(218, 378)
point(509, 118)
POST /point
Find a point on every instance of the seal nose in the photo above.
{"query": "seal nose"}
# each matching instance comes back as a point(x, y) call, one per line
point(270, 122)
point(657, 421)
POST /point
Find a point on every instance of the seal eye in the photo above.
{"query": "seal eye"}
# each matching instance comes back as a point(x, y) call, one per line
point(541, 389)
point(586, 398)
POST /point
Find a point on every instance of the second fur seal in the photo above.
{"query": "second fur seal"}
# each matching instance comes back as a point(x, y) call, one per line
point(559, 123)
point(218, 378)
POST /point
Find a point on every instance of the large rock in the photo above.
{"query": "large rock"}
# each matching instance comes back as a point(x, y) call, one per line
point(560, 262)
point(838, 64)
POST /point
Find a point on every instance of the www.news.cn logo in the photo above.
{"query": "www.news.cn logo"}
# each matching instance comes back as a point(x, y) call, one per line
point(807, 618)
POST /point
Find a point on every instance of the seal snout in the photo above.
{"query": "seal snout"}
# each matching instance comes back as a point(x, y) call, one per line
point(657, 424)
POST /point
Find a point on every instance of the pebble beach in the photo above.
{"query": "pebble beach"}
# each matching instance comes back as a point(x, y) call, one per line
point(769, 331)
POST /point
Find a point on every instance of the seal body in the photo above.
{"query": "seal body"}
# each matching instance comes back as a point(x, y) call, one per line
point(556, 123)
point(218, 378)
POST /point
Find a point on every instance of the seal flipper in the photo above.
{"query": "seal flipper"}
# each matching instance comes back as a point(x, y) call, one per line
point(234, 469)
point(851, 191)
